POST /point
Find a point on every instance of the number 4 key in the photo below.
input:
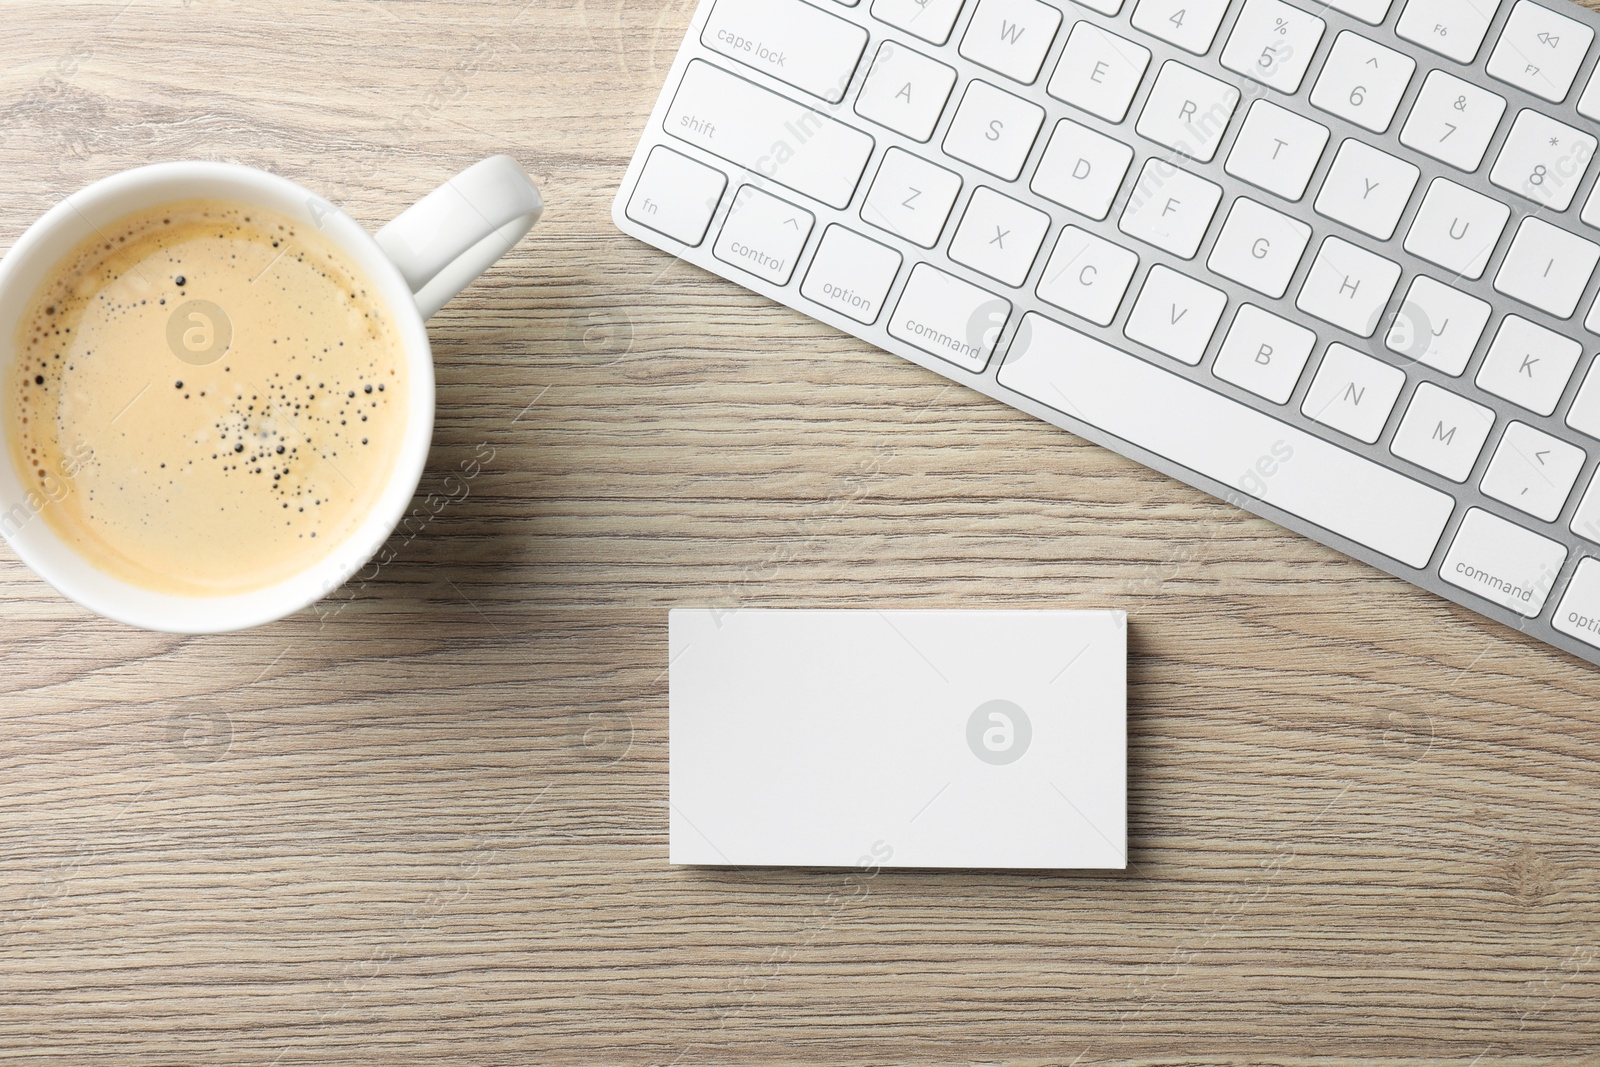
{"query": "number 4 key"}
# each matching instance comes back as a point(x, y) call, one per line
point(1189, 24)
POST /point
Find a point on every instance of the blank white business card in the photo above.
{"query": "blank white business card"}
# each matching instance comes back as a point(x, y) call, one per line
point(842, 738)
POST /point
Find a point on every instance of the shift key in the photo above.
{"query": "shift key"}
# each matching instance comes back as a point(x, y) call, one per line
point(790, 40)
point(768, 134)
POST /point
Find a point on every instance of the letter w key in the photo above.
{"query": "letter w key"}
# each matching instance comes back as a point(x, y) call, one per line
point(1011, 37)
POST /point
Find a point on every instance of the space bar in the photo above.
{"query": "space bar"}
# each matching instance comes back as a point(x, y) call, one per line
point(1252, 453)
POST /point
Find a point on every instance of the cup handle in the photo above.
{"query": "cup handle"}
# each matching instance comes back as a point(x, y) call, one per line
point(458, 231)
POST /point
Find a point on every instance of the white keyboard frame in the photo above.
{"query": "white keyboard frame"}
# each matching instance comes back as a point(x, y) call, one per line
point(1024, 299)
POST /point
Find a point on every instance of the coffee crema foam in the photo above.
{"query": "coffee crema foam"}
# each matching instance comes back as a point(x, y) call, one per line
point(209, 396)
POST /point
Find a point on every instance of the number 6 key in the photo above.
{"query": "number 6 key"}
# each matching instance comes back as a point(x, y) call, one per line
point(1363, 81)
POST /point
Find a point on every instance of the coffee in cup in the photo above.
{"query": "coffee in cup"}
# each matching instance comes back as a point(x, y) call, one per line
point(216, 461)
point(210, 394)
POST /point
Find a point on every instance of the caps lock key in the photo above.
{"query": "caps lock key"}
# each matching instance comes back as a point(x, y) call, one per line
point(790, 40)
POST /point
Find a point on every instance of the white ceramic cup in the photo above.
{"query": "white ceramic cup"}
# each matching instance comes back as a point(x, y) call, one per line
point(415, 264)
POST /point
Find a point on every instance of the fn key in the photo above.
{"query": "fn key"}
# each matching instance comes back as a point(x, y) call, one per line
point(677, 196)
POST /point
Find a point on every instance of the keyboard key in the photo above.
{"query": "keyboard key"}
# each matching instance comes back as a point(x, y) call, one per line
point(1277, 150)
point(911, 198)
point(1259, 247)
point(1273, 42)
point(1438, 326)
point(1011, 37)
point(1105, 7)
point(1528, 365)
point(1591, 207)
point(905, 91)
point(1443, 432)
point(1586, 521)
point(1372, 12)
point(764, 235)
point(1579, 613)
point(850, 274)
point(1188, 112)
point(1264, 354)
point(1087, 276)
point(1585, 414)
point(1453, 121)
point(932, 20)
point(1503, 563)
point(999, 237)
point(1170, 208)
point(993, 130)
point(1547, 267)
point(1189, 24)
point(1592, 323)
point(1367, 189)
point(1099, 72)
point(1453, 28)
point(949, 318)
point(743, 123)
point(790, 40)
point(1348, 286)
point(1353, 393)
point(1457, 228)
point(676, 196)
point(1543, 160)
point(1221, 439)
point(1589, 102)
point(1175, 315)
point(1540, 51)
point(1533, 472)
point(1082, 170)
point(1363, 81)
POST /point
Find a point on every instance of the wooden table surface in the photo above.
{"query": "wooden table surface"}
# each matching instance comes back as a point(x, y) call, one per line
point(426, 822)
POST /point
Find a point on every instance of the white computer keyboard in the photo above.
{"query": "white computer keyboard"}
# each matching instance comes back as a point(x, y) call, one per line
point(1332, 263)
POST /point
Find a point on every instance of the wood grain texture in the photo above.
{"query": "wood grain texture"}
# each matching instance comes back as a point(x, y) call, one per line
point(426, 822)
